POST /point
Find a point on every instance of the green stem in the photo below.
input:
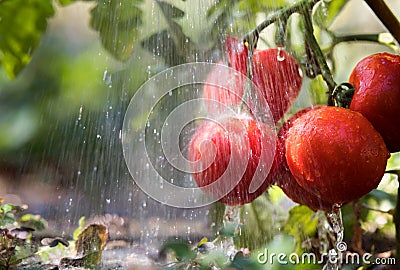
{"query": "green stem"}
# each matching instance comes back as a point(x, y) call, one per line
point(283, 13)
point(350, 38)
point(313, 43)
point(258, 221)
point(386, 16)
point(376, 38)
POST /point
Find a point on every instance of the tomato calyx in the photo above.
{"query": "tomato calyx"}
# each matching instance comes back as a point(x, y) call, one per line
point(343, 94)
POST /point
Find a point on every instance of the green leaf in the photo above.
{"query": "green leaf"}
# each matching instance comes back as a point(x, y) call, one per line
point(33, 221)
point(243, 262)
point(260, 225)
point(80, 228)
point(170, 11)
point(334, 8)
point(117, 22)
point(91, 240)
point(68, 2)
point(255, 6)
point(162, 44)
point(22, 24)
point(393, 163)
point(8, 207)
point(65, 2)
point(380, 196)
point(221, 6)
point(318, 90)
point(302, 223)
point(182, 250)
point(89, 247)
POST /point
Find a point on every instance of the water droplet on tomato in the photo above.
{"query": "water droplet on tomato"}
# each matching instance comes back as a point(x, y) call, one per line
point(280, 56)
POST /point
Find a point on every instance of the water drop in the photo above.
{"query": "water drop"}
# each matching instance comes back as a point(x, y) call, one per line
point(280, 57)
point(80, 113)
point(98, 136)
point(107, 78)
point(108, 201)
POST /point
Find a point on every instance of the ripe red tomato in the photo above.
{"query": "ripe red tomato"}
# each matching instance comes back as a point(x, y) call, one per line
point(278, 75)
point(377, 96)
point(225, 86)
point(237, 54)
point(285, 179)
point(231, 159)
point(275, 72)
point(336, 154)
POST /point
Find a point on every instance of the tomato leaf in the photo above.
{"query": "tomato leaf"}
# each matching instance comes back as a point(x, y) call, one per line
point(259, 225)
point(89, 247)
point(302, 224)
point(80, 228)
point(170, 10)
point(162, 44)
point(68, 2)
point(182, 250)
point(22, 24)
point(333, 9)
point(34, 221)
point(117, 23)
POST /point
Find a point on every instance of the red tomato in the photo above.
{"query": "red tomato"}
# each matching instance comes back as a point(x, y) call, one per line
point(231, 159)
point(376, 79)
point(285, 180)
point(275, 72)
point(225, 86)
point(278, 75)
point(336, 154)
point(237, 54)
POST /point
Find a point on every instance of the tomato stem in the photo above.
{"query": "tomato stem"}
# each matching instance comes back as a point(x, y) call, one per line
point(385, 39)
point(279, 15)
point(317, 52)
point(386, 16)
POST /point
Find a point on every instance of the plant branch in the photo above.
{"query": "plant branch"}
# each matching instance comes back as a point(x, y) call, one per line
point(390, 212)
point(386, 16)
point(350, 38)
point(316, 50)
point(279, 15)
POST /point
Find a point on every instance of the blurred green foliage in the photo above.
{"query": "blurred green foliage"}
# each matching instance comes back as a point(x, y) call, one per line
point(22, 24)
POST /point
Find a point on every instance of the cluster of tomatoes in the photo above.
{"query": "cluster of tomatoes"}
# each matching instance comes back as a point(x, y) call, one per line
point(322, 156)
